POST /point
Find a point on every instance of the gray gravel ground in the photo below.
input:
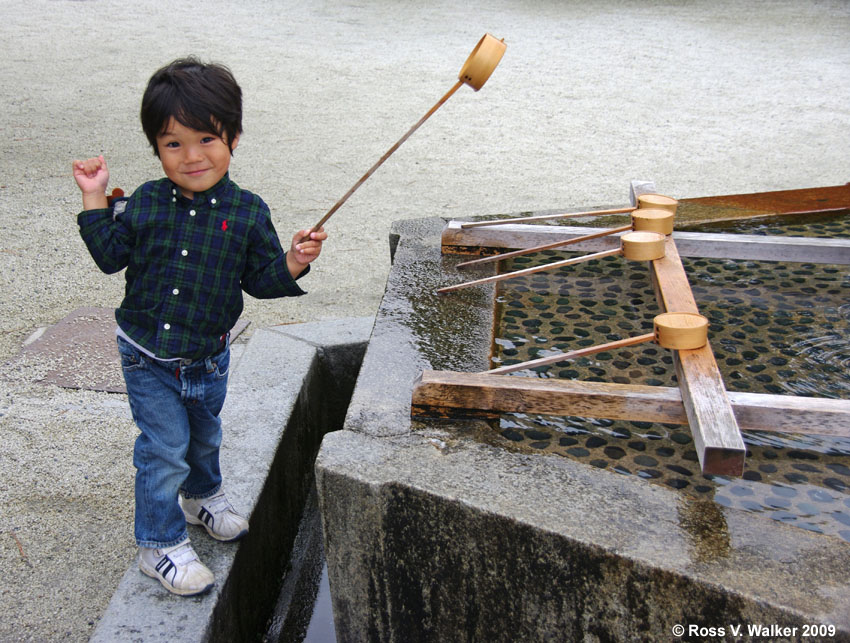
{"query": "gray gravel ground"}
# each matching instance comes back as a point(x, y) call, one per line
point(702, 97)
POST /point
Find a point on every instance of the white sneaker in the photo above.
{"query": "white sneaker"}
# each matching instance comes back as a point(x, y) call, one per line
point(216, 515)
point(177, 568)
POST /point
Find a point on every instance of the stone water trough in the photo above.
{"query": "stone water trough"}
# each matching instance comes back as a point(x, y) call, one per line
point(444, 529)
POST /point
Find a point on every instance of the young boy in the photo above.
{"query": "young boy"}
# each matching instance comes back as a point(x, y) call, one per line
point(191, 242)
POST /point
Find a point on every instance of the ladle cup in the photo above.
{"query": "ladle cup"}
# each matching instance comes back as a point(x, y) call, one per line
point(482, 61)
point(653, 220)
point(635, 246)
point(677, 331)
point(657, 202)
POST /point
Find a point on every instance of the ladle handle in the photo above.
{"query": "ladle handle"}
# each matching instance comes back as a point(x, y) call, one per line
point(546, 217)
point(387, 155)
point(548, 246)
point(529, 271)
point(581, 352)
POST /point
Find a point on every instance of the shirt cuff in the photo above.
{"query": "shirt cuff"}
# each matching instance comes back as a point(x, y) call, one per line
point(92, 216)
point(303, 272)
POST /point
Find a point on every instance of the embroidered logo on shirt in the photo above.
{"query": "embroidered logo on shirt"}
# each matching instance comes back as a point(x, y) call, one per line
point(224, 225)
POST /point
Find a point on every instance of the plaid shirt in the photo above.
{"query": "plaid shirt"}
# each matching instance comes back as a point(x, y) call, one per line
point(187, 263)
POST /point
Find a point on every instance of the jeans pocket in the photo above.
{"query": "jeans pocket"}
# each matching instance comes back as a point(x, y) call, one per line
point(222, 364)
point(131, 359)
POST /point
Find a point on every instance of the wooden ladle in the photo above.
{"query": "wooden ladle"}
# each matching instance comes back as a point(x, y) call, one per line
point(643, 220)
point(679, 331)
point(475, 72)
point(635, 246)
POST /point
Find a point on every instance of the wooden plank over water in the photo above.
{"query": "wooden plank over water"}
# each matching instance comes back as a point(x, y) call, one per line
point(715, 431)
point(457, 240)
point(833, 199)
point(448, 394)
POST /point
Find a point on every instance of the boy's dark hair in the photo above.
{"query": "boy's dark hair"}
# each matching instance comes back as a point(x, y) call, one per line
point(201, 96)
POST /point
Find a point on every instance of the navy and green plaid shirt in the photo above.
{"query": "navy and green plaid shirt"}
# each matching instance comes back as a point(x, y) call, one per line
point(187, 263)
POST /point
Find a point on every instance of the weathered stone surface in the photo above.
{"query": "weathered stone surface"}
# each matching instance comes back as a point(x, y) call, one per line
point(408, 336)
point(477, 543)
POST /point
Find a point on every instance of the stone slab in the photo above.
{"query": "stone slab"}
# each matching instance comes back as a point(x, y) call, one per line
point(331, 332)
point(472, 542)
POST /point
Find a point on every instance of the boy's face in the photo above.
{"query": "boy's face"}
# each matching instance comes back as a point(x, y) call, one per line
point(192, 159)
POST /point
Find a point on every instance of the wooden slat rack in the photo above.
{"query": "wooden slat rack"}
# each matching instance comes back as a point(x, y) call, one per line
point(714, 415)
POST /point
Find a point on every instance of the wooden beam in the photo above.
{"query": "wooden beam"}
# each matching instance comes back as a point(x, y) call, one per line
point(445, 394)
point(717, 437)
point(806, 201)
point(791, 414)
point(752, 247)
point(456, 240)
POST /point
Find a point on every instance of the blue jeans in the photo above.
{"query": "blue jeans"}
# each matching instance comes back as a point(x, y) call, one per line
point(176, 406)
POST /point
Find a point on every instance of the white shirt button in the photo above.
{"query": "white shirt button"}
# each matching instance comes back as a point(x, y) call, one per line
point(184, 252)
point(173, 199)
point(176, 291)
point(191, 213)
point(167, 326)
point(213, 201)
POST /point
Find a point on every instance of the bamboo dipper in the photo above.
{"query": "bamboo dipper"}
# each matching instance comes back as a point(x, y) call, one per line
point(643, 220)
point(475, 72)
point(636, 246)
point(679, 331)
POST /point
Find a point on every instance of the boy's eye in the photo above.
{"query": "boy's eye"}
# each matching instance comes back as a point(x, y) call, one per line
point(172, 144)
point(208, 139)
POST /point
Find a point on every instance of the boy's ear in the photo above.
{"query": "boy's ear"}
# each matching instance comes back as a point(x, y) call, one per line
point(234, 143)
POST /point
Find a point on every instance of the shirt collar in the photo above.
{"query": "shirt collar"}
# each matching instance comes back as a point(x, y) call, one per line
point(213, 195)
